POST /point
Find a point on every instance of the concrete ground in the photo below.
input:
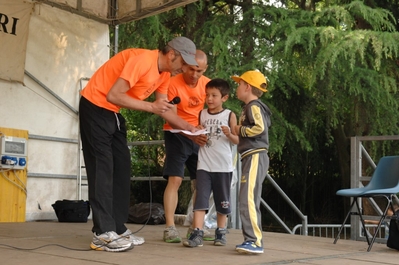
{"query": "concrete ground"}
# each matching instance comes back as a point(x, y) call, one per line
point(51, 242)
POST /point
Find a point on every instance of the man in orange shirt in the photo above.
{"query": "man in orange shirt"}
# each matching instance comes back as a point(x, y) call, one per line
point(182, 149)
point(124, 81)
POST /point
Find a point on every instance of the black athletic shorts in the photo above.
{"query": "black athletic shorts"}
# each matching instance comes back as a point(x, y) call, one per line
point(217, 182)
point(180, 152)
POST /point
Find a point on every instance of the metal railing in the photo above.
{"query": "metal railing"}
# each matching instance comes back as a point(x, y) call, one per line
point(358, 153)
point(330, 230)
point(304, 226)
point(234, 220)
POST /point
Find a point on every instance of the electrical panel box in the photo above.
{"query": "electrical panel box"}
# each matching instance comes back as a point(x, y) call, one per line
point(13, 152)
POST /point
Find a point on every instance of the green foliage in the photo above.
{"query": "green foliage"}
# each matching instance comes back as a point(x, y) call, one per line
point(337, 68)
point(332, 72)
point(147, 33)
point(350, 61)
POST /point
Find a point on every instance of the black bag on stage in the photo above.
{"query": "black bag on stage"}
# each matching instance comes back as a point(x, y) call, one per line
point(393, 238)
point(140, 214)
point(72, 210)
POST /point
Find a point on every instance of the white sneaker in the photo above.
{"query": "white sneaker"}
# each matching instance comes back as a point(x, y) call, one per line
point(135, 240)
point(171, 235)
point(110, 241)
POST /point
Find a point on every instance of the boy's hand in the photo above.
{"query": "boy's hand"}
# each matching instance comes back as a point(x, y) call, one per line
point(230, 134)
point(226, 130)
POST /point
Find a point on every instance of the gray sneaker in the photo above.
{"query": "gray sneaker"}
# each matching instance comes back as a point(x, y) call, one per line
point(110, 241)
point(220, 237)
point(195, 239)
point(171, 235)
point(207, 235)
point(135, 240)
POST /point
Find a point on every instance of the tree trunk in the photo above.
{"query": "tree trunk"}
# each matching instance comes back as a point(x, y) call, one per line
point(342, 144)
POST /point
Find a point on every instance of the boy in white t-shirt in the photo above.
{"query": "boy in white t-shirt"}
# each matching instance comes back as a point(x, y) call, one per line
point(215, 163)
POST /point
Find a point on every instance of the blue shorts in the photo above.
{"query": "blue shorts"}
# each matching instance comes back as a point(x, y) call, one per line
point(180, 152)
point(219, 183)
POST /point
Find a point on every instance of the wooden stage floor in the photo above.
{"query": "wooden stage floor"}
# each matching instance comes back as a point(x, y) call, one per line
point(51, 242)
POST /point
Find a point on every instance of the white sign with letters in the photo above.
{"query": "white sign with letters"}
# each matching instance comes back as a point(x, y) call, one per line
point(14, 29)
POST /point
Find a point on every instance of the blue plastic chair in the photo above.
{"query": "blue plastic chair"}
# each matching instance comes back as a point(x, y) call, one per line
point(384, 183)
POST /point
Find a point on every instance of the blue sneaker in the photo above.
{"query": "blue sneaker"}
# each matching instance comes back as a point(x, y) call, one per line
point(249, 247)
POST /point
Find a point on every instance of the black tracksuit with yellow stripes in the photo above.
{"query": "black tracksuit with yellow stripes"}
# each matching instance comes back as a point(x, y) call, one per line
point(253, 146)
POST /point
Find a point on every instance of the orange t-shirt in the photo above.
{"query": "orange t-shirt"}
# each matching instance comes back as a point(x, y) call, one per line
point(137, 66)
point(192, 99)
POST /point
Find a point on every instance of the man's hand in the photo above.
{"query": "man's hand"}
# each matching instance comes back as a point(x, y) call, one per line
point(200, 139)
point(160, 106)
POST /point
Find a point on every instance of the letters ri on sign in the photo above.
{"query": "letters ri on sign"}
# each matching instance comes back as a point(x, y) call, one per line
point(6, 24)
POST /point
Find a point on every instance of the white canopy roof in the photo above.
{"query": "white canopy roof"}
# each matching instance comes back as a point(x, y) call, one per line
point(116, 12)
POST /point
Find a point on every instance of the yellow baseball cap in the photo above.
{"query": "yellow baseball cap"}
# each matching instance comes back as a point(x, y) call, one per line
point(254, 78)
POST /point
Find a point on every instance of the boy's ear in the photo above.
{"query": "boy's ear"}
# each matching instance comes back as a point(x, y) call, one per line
point(249, 87)
point(224, 98)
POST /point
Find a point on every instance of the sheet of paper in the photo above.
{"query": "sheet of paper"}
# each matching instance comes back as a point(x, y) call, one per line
point(188, 132)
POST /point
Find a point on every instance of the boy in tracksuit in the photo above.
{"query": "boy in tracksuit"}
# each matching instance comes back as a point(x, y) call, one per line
point(253, 147)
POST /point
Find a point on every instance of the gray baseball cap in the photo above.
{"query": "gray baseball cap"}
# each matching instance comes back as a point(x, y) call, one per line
point(186, 48)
